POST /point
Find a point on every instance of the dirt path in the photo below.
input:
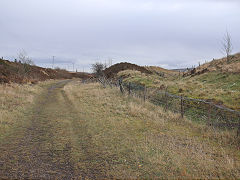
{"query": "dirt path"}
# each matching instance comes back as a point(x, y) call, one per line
point(85, 131)
point(43, 147)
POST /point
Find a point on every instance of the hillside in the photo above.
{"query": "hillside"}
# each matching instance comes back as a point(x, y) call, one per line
point(158, 70)
point(217, 81)
point(222, 65)
point(24, 73)
point(218, 65)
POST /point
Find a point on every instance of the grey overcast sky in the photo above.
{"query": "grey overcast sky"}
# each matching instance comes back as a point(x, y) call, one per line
point(167, 33)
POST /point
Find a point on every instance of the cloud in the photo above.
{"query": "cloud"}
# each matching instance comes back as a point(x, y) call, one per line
point(175, 33)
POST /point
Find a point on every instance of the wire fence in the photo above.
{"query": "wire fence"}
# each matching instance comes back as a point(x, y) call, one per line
point(197, 110)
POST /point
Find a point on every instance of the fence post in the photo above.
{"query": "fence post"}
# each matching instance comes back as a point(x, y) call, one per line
point(182, 107)
point(166, 99)
point(104, 82)
point(120, 84)
point(145, 93)
point(129, 88)
point(209, 114)
point(109, 83)
point(238, 131)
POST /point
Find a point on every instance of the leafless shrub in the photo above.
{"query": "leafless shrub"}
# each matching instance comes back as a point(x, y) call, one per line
point(98, 68)
point(24, 58)
point(26, 61)
point(227, 46)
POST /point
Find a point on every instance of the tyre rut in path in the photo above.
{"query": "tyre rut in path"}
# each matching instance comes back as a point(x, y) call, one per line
point(31, 151)
point(92, 163)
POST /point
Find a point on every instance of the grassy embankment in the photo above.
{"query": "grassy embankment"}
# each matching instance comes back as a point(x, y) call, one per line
point(221, 88)
point(99, 133)
point(137, 139)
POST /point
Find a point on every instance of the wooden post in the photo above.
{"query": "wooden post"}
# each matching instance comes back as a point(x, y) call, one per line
point(104, 82)
point(120, 84)
point(129, 88)
point(182, 108)
point(109, 83)
point(121, 88)
point(145, 93)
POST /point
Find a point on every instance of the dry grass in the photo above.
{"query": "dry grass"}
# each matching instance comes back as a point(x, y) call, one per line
point(231, 66)
point(15, 100)
point(86, 131)
point(221, 84)
point(138, 139)
point(223, 88)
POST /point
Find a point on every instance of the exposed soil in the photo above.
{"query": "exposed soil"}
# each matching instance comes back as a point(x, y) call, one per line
point(22, 73)
point(43, 148)
point(113, 70)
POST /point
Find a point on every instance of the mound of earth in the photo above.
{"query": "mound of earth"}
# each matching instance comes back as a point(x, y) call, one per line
point(114, 69)
point(23, 73)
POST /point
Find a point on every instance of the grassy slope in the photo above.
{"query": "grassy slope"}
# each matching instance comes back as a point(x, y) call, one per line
point(231, 66)
point(140, 140)
point(223, 88)
point(98, 133)
point(13, 72)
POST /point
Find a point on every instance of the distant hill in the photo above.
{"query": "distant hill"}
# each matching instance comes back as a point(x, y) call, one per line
point(157, 69)
point(182, 70)
point(23, 73)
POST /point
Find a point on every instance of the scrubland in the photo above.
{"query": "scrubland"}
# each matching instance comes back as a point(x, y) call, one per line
point(218, 87)
point(85, 131)
point(144, 141)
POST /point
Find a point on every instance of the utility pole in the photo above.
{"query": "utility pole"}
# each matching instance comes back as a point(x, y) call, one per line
point(105, 64)
point(110, 61)
point(53, 62)
point(73, 66)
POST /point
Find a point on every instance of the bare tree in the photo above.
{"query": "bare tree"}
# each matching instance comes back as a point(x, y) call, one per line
point(24, 58)
point(227, 46)
point(98, 68)
point(26, 62)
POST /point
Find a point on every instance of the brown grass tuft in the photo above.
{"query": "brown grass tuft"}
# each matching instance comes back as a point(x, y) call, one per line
point(145, 141)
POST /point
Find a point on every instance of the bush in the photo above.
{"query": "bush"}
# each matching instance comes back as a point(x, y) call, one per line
point(98, 68)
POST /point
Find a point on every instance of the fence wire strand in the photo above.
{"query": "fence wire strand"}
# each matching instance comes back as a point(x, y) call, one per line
point(196, 109)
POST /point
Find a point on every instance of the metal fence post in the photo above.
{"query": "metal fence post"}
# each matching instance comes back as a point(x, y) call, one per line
point(182, 108)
